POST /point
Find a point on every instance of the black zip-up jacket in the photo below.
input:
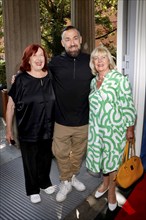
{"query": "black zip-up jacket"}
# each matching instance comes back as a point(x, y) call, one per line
point(71, 80)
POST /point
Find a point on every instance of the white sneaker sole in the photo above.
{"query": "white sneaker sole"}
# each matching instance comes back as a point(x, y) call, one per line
point(35, 198)
point(50, 190)
point(64, 198)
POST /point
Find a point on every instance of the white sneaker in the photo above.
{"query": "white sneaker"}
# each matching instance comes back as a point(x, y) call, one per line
point(50, 190)
point(77, 184)
point(35, 198)
point(65, 188)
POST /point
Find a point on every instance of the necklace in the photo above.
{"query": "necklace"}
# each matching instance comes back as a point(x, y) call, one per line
point(101, 79)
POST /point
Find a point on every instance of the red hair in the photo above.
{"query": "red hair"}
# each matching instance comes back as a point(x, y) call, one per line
point(28, 52)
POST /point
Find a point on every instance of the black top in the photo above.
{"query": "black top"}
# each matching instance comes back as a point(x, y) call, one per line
point(34, 103)
point(71, 80)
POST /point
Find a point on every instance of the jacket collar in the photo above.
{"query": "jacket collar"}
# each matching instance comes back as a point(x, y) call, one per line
point(64, 54)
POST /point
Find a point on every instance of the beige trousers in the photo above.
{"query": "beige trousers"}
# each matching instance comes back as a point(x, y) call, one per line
point(69, 148)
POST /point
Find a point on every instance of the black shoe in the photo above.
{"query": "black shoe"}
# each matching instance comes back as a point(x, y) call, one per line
point(110, 215)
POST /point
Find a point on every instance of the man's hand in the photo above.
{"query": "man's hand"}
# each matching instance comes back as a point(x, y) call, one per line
point(13, 79)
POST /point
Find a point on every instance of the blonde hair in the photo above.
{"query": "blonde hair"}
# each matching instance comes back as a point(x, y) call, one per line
point(102, 50)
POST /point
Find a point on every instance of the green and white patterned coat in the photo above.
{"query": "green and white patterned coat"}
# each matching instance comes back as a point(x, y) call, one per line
point(111, 112)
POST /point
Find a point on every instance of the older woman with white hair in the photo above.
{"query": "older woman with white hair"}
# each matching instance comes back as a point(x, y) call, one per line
point(111, 121)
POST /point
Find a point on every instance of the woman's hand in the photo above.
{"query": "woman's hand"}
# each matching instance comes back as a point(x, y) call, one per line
point(9, 136)
point(130, 133)
point(9, 120)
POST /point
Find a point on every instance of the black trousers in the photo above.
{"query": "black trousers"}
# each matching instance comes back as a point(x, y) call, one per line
point(37, 157)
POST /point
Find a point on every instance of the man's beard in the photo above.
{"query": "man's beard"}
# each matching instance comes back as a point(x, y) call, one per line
point(74, 53)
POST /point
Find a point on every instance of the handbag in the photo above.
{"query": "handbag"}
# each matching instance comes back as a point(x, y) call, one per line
point(131, 168)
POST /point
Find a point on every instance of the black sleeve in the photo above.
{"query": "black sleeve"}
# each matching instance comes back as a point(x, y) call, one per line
point(16, 89)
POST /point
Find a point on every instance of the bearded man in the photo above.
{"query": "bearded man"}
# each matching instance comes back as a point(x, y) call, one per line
point(71, 79)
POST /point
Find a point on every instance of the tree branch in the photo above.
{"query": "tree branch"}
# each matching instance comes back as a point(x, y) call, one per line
point(105, 34)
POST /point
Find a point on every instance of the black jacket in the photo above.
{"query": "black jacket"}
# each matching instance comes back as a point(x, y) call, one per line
point(71, 80)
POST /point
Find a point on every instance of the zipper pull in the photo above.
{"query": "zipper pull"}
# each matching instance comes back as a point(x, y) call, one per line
point(41, 82)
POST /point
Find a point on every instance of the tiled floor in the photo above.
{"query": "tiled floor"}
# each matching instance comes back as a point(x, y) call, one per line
point(15, 205)
point(7, 152)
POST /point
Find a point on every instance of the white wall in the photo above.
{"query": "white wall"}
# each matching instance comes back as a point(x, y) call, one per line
point(131, 55)
point(139, 87)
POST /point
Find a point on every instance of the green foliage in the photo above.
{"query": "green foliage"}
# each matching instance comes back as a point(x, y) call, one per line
point(1, 21)
point(2, 73)
point(105, 13)
point(53, 17)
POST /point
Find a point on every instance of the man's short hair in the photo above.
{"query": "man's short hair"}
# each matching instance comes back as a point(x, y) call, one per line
point(67, 28)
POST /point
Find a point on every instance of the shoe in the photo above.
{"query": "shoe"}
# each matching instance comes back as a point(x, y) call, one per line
point(77, 184)
point(112, 206)
point(35, 198)
point(110, 215)
point(99, 194)
point(50, 190)
point(65, 188)
point(120, 199)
